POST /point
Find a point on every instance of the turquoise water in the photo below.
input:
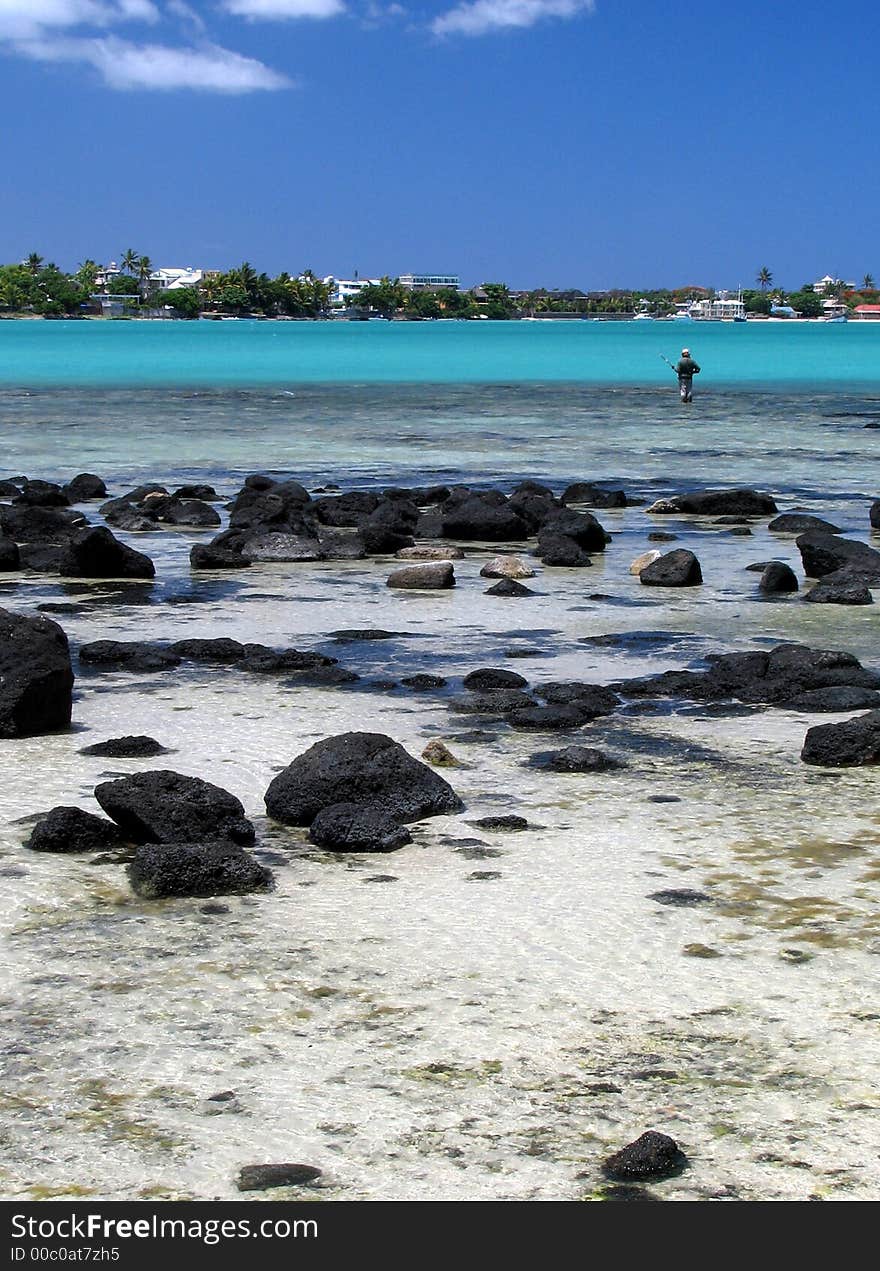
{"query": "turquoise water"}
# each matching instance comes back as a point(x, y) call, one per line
point(205, 354)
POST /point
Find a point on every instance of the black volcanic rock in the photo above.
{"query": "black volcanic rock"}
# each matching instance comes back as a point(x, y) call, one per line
point(575, 759)
point(161, 870)
point(736, 502)
point(778, 577)
point(826, 553)
point(85, 486)
point(96, 553)
point(67, 829)
point(652, 1155)
point(358, 768)
point(36, 678)
point(801, 523)
point(167, 807)
point(138, 656)
point(139, 747)
point(509, 587)
point(10, 557)
point(489, 678)
point(678, 568)
point(853, 743)
point(358, 827)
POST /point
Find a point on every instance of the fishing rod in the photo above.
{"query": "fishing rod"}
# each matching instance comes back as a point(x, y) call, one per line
point(669, 364)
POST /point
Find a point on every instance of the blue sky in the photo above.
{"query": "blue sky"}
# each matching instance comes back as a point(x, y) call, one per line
point(590, 143)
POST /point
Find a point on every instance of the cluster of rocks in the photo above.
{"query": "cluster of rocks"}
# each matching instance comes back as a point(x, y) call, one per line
point(356, 792)
point(281, 521)
point(145, 656)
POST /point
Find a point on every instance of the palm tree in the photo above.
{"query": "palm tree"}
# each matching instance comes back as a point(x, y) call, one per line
point(34, 262)
point(764, 278)
point(130, 261)
point(868, 282)
point(144, 269)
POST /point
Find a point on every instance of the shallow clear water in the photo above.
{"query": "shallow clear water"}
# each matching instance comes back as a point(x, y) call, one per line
point(507, 1009)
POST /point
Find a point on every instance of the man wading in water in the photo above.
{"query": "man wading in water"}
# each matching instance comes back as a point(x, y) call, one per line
point(686, 370)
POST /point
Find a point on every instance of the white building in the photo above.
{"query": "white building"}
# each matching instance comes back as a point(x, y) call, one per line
point(722, 307)
point(826, 283)
point(344, 290)
point(174, 279)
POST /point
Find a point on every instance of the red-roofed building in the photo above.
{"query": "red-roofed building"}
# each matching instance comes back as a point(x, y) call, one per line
point(867, 313)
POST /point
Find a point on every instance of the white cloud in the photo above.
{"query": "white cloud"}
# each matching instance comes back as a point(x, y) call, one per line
point(124, 65)
point(482, 16)
point(186, 14)
point(21, 19)
point(281, 10)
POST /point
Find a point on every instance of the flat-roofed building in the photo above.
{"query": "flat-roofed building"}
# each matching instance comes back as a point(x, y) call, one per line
point(430, 282)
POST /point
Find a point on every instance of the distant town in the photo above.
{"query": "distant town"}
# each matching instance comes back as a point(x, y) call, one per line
point(134, 288)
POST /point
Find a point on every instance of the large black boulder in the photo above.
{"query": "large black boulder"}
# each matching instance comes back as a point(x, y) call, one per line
point(42, 494)
point(678, 568)
point(167, 807)
point(358, 827)
point(97, 553)
point(358, 768)
point(560, 551)
point(187, 512)
point(844, 697)
point(826, 553)
point(840, 588)
point(67, 829)
point(195, 869)
point(590, 495)
point(849, 744)
point(592, 700)
point(36, 678)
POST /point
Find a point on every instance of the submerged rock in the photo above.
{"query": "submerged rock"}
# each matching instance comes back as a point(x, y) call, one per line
point(128, 655)
point(258, 1178)
point(836, 589)
point(195, 869)
point(504, 823)
point(67, 829)
point(358, 827)
point(801, 523)
point(652, 1155)
point(358, 768)
point(161, 806)
point(575, 759)
point(36, 678)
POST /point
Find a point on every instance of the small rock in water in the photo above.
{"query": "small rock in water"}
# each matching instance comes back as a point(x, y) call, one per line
point(652, 1155)
point(507, 567)
point(68, 829)
point(259, 1178)
point(433, 576)
point(484, 875)
point(213, 909)
point(663, 798)
point(683, 897)
point(440, 755)
point(661, 536)
point(678, 568)
point(424, 681)
point(381, 878)
point(487, 679)
point(502, 823)
point(778, 576)
point(126, 748)
point(425, 552)
point(575, 759)
point(509, 587)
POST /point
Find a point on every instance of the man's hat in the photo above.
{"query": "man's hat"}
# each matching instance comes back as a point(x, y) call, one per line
point(685, 353)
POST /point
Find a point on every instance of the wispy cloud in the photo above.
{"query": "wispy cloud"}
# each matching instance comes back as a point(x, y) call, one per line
point(479, 17)
point(186, 13)
point(125, 65)
point(283, 10)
